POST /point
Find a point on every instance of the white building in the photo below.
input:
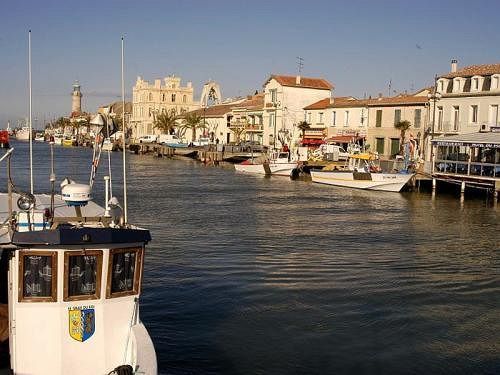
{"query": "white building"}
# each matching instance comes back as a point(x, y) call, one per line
point(468, 99)
point(151, 99)
point(284, 100)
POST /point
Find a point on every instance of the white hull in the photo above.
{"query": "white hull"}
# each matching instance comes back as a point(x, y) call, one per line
point(250, 168)
point(282, 169)
point(378, 181)
point(23, 135)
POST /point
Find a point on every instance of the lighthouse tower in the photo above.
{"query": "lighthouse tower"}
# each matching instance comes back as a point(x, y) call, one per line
point(76, 105)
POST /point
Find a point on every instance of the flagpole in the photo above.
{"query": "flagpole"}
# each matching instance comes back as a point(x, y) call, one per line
point(30, 112)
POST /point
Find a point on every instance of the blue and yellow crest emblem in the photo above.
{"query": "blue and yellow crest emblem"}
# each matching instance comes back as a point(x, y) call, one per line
point(81, 322)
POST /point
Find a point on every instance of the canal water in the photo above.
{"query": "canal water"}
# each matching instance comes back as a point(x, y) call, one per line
point(254, 275)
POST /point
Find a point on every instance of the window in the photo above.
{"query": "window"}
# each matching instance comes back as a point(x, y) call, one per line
point(37, 276)
point(397, 116)
point(150, 97)
point(495, 83)
point(320, 120)
point(473, 113)
point(456, 117)
point(475, 84)
point(418, 118)
point(82, 275)
point(162, 97)
point(274, 95)
point(334, 118)
point(440, 118)
point(378, 122)
point(494, 115)
point(441, 86)
point(173, 98)
point(394, 146)
point(271, 120)
point(184, 98)
point(379, 145)
point(124, 272)
point(346, 118)
point(309, 118)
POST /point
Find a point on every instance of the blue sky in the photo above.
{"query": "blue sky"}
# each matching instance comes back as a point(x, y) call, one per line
point(359, 46)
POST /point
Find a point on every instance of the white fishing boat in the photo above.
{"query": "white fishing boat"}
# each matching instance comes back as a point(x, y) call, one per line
point(279, 163)
point(72, 273)
point(362, 174)
point(23, 134)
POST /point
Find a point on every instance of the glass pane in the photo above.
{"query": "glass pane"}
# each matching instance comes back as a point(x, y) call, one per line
point(123, 272)
point(37, 277)
point(82, 275)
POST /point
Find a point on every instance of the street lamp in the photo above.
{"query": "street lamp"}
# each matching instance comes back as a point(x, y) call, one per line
point(435, 97)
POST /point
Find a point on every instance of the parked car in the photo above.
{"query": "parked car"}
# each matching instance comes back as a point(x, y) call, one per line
point(202, 142)
point(254, 146)
point(148, 138)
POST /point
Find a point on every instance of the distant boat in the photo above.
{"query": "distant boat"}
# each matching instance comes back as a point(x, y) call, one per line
point(68, 141)
point(280, 163)
point(40, 137)
point(362, 174)
point(23, 134)
point(4, 139)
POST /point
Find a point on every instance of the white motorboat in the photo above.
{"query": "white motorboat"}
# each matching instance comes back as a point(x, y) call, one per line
point(360, 174)
point(40, 137)
point(279, 164)
point(23, 134)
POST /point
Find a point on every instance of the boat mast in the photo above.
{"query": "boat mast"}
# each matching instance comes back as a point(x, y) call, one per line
point(124, 128)
point(30, 114)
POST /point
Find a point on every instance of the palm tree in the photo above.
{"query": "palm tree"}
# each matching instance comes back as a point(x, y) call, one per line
point(402, 126)
point(166, 121)
point(303, 125)
point(193, 121)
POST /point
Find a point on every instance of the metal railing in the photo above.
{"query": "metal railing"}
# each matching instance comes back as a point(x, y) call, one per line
point(467, 169)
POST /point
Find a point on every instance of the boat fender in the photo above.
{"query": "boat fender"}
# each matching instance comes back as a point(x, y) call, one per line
point(122, 370)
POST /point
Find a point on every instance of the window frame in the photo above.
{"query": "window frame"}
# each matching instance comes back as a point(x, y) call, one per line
point(53, 287)
point(97, 294)
point(139, 264)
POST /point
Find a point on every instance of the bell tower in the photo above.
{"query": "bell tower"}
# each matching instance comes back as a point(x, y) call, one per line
point(76, 105)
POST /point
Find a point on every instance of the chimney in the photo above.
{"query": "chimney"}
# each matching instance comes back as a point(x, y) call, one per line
point(297, 80)
point(380, 95)
point(454, 65)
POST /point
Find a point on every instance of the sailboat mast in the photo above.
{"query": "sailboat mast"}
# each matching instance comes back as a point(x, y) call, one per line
point(30, 114)
point(124, 129)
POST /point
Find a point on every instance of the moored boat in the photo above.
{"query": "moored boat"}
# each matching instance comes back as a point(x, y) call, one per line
point(362, 174)
point(23, 134)
point(278, 164)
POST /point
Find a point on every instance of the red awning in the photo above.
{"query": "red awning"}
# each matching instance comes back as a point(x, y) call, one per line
point(312, 142)
point(345, 138)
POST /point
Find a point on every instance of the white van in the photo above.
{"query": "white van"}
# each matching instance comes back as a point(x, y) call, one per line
point(148, 138)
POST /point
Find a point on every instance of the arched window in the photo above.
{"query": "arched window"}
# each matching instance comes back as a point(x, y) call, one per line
point(173, 98)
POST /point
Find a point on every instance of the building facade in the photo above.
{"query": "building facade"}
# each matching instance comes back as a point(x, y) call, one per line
point(151, 99)
point(467, 100)
point(284, 100)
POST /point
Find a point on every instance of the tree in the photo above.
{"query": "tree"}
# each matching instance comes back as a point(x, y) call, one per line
point(165, 122)
point(303, 126)
point(402, 126)
point(193, 121)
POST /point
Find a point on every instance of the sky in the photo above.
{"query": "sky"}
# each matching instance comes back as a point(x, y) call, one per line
point(359, 46)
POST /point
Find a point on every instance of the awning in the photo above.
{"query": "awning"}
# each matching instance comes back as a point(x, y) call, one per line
point(345, 138)
point(312, 142)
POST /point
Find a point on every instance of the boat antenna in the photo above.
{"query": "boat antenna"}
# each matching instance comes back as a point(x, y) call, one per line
point(52, 176)
point(124, 146)
point(30, 114)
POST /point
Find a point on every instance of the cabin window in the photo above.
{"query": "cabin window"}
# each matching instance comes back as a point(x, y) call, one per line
point(124, 272)
point(38, 276)
point(82, 275)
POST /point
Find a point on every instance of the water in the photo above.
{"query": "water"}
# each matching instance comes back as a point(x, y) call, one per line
point(252, 275)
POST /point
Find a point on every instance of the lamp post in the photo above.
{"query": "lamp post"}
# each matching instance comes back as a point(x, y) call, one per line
point(435, 97)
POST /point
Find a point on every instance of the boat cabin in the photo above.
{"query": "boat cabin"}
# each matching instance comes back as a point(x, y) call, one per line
point(69, 293)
